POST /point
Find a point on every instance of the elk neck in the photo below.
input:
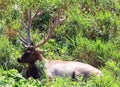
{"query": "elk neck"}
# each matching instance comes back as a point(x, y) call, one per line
point(41, 58)
point(39, 55)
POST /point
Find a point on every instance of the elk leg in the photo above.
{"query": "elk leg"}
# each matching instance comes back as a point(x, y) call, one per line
point(74, 76)
point(50, 76)
point(85, 76)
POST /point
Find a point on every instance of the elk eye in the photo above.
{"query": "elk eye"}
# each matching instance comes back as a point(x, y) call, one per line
point(28, 51)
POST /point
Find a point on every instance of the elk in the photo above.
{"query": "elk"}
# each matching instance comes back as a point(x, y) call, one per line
point(53, 68)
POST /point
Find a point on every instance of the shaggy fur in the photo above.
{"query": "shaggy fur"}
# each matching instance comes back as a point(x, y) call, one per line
point(33, 71)
point(36, 70)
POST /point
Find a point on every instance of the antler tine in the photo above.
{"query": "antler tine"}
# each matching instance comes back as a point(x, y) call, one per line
point(27, 29)
point(37, 11)
point(59, 20)
point(30, 20)
point(29, 25)
point(52, 25)
point(24, 43)
point(24, 25)
point(29, 16)
point(21, 38)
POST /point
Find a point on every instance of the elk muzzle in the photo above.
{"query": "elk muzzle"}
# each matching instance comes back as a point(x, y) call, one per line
point(20, 60)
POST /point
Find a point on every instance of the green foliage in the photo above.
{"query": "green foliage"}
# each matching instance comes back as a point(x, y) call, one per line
point(12, 78)
point(101, 23)
point(1, 26)
point(109, 79)
point(90, 34)
point(8, 53)
point(110, 76)
point(93, 52)
point(42, 74)
point(5, 50)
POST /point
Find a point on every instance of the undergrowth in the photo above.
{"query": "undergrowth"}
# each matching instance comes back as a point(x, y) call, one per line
point(91, 34)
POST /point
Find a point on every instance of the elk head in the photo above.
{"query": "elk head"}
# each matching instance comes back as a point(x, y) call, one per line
point(32, 52)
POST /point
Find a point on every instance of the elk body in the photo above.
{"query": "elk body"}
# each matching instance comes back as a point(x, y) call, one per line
point(53, 68)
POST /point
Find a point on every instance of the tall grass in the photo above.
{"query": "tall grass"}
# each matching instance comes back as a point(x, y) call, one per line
point(90, 34)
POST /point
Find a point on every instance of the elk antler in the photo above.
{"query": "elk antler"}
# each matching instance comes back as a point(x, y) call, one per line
point(26, 42)
point(52, 25)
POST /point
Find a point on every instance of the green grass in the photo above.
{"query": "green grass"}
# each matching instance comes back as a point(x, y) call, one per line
point(91, 34)
point(13, 78)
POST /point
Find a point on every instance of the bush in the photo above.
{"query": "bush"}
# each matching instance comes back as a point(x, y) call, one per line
point(110, 77)
point(5, 51)
point(13, 78)
point(95, 53)
point(90, 34)
point(9, 53)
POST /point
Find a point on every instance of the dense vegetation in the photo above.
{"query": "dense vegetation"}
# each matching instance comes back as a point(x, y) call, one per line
point(91, 34)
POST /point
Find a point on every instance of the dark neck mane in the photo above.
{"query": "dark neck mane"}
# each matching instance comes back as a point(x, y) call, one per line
point(32, 71)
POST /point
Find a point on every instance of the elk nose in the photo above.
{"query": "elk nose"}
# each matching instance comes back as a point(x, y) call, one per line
point(19, 60)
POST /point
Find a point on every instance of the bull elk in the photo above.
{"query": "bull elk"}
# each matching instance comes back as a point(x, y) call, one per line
point(52, 67)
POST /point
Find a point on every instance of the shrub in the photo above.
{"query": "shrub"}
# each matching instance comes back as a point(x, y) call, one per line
point(94, 52)
point(90, 34)
point(13, 78)
point(8, 53)
point(5, 51)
